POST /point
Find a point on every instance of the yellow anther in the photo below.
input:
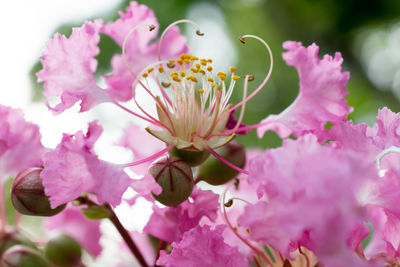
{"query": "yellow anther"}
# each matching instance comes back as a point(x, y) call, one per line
point(232, 69)
point(209, 68)
point(221, 73)
point(171, 65)
point(222, 76)
point(209, 60)
point(213, 85)
point(174, 74)
point(180, 61)
point(144, 75)
point(211, 80)
point(202, 71)
point(182, 73)
point(172, 60)
point(194, 58)
point(203, 61)
point(200, 91)
point(150, 70)
point(176, 79)
point(197, 65)
point(187, 61)
point(194, 70)
point(235, 78)
point(194, 79)
point(161, 69)
point(248, 230)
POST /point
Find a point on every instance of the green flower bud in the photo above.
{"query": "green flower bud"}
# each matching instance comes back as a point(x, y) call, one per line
point(175, 177)
point(215, 172)
point(28, 197)
point(193, 158)
point(23, 256)
point(10, 238)
point(64, 251)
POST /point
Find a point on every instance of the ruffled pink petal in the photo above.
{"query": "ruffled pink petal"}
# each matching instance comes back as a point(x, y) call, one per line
point(139, 51)
point(171, 222)
point(203, 247)
point(68, 70)
point(73, 168)
point(386, 131)
point(20, 145)
point(144, 187)
point(72, 222)
point(321, 98)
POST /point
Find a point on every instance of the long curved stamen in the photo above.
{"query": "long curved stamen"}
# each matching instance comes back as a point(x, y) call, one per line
point(381, 155)
point(154, 156)
point(215, 154)
point(242, 39)
point(246, 83)
point(198, 32)
point(151, 27)
point(256, 250)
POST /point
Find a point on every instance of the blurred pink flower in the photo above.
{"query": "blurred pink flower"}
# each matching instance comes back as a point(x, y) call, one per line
point(20, 145)
point(203, 247)
point(72, 222)
point(170, 223)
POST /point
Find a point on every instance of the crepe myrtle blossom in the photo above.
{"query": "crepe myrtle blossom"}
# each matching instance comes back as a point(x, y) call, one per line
point(191, 98)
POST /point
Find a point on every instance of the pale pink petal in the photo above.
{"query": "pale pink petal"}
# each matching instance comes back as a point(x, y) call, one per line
point(140, 52)
point(72, 222)
point(20, 145)
point(68, 70)
point(386, 131)
point(73, 168)
point(203, 247)
point(321, 98)
point(171, 222)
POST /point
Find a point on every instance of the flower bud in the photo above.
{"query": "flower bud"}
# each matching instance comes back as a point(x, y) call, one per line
point(23, 256)
point(11, 237)
point(27, 194)
point(193, 158)
point(64, 251)
point(215, 172)
point(175, 177)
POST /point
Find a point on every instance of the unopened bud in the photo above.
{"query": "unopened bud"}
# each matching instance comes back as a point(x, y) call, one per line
point(215, 172)
point(64, 251)
point(193, 158)
point(175, 177)
point(28, 197)
point(10, 237)
point(23, 256)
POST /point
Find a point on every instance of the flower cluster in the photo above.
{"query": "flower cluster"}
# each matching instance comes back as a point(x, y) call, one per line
point(327, 197)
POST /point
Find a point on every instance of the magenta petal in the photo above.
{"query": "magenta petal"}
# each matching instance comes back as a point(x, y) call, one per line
point(68, 70)
point(321, 98)
point(203, 247)
point(73, 168)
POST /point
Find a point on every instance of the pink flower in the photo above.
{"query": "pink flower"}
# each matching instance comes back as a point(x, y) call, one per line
point(321, 98)
point(72, 222)
point(68, 70)
point(73, 168)
point(386, 131)
point(170, 223)
point(20, 145)
point(312, 192)
point(139, 51)
point(203, 247)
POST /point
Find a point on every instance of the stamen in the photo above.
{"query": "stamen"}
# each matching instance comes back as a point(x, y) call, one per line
point(381, 155)
point(154, 156)
point(226, 162)
point(256, 250)
point(242, 39)
point(198, 32)
point(151, 27)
